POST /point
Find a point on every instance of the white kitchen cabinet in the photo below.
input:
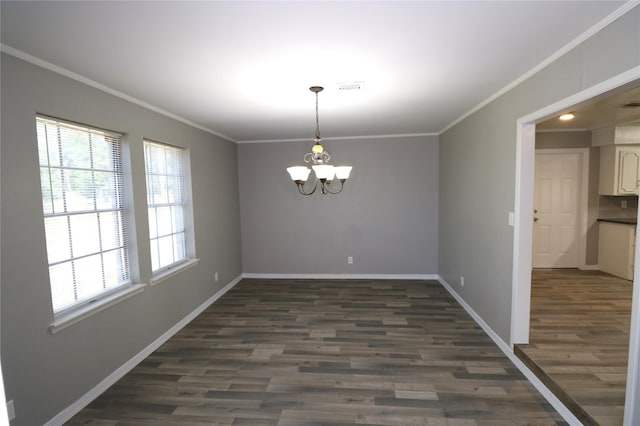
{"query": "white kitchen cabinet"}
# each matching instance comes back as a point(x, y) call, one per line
point(615, 135)
point(619, 169)
point(616, 249)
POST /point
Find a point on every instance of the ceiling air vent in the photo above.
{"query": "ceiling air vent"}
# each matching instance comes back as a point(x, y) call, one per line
point(353, 86)
point(631, 105)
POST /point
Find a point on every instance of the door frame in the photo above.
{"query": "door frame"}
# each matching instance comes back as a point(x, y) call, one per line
point(582, 222)
point(523, 232)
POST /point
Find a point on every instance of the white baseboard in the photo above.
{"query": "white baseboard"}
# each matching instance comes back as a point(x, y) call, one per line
point(66, 414)
point(342, 276)
point(508, 351)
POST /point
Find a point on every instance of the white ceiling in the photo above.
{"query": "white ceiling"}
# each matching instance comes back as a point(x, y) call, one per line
point(242, 69)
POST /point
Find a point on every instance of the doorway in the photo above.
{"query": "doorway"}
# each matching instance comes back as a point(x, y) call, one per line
point(523, 232)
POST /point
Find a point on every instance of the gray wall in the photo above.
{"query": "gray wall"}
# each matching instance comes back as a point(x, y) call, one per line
point(563, 140)
point(386, 217)
point(477, 169)
point(580, 139)
point(45, 373)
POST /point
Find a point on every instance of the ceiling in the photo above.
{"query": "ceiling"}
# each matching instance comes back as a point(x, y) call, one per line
point(242, 69)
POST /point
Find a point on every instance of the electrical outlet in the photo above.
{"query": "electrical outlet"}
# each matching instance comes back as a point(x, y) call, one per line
point(215, 277)
point(623, 204)
point(11, 410)
point(461, 281)
point(350, 260)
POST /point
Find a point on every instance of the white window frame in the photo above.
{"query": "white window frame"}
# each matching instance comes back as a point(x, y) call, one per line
point(181, 203)
point(53, 162)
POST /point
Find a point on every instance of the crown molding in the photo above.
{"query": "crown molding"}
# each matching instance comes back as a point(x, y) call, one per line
point(339, 138)
point(77, 77)
point(559, 53)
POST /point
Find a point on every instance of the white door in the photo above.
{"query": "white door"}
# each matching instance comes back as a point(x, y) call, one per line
point(556, 201)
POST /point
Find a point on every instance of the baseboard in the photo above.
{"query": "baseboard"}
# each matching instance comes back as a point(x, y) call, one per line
point(342, 276)
point(508, 351)
point(66, 414)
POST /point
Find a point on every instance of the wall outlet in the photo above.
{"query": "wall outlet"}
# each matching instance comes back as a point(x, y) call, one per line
point(215, 277)
point(350, 260)
point(623, 204)
point(461, 281)
point(11, 410)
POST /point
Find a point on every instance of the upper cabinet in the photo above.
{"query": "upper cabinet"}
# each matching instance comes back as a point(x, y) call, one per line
point(619, 169)
point(620, 135)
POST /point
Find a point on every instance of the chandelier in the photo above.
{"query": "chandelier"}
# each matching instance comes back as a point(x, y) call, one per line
point(325, 173)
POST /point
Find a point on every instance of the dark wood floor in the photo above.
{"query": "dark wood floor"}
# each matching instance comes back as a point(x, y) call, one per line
point(579, 340)
point(274, 352)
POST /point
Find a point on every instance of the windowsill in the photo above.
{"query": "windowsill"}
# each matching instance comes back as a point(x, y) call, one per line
point(156, 279)
point(74, 316)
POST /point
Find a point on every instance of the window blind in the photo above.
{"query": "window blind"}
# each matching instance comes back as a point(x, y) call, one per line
point(167, 204)
point(83, 200)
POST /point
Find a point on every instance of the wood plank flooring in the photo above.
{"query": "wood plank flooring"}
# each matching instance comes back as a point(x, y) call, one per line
point(579, 341)
point(297, 352)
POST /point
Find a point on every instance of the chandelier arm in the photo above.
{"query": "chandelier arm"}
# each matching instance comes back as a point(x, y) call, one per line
point(301, 188)
point(327, 188)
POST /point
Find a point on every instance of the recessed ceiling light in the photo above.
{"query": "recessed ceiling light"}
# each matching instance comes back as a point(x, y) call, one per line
point(568, 116)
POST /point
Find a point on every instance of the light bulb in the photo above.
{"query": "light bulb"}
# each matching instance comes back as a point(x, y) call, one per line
point(317, 148)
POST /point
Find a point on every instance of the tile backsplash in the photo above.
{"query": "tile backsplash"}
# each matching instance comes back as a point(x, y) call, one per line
point(611, 206)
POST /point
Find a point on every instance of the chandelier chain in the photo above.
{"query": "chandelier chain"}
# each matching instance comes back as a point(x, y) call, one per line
point(317, 120)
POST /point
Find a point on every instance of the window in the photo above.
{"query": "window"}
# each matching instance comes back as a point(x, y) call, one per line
point(83, 203)
point(168, 204)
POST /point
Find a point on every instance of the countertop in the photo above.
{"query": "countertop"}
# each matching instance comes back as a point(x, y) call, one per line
point(622, 220)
